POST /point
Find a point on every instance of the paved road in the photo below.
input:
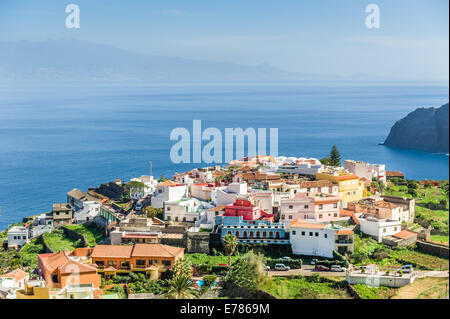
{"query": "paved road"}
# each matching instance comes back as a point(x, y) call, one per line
point(308, 270)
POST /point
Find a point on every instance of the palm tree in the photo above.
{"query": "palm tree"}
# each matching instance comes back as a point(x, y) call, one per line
point(229, 244)
point(180, 287)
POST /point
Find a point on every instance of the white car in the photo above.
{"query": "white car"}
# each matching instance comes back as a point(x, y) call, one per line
point(285, 258)
point(138, 206)
point(407, 268)
point(282, 267)
point(337, 268)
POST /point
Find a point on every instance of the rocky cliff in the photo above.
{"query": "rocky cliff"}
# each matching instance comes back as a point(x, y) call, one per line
point(424, 129)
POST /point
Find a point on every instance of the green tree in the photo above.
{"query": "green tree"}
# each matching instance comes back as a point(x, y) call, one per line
point(335, 156)
point(248, 271)
point(182, 267)
point(180, 287)
point(208, 281)
point(229, 245)
point(326, 161)
point(445, 188)
point(152, 212)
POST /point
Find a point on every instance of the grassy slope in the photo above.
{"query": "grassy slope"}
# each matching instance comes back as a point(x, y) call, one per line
point(301, 288)
point(93, 234)
point(423, 288)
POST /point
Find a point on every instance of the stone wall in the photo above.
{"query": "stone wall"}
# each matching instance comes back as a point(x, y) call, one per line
point(432, 248)
point(197, 242)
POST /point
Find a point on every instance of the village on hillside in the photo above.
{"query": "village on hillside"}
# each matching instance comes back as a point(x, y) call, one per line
point(259, 227)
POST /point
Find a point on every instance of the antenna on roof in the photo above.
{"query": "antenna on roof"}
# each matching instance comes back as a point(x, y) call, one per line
point(151, 169)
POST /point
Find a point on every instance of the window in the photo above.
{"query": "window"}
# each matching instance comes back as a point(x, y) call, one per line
point(100, 263)
point(306, 206)
point(317, 234)
point(325, 235)
point(290, 216)
point(293, 232)
point(291, 206)
point(282, 217)
point(168, 209)
point(125, 264)
point(112, 263)
point(166, 263)
point(335, 214)
point(140, 263)
point(335, 205)
point(395, 228)
point(310, 233)
point(320, 215)
point(384, 230)
point(320, 206)
point(303, 233)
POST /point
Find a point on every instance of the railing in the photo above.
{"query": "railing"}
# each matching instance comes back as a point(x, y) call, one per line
point(344, 241)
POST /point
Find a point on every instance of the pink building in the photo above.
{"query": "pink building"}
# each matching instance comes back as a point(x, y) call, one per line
point(323, 208)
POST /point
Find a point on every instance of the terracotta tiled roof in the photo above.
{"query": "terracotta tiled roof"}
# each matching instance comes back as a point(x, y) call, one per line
point(404, 234)
point(346, 177)
point(168, 183)
point(112, 251)
point(217, 209)
point(344, 212)
point(17, 274)
point(72, 266)
point(155, 250)
point(314, 184)
point(394, 174)
point(344, 232)
point(53, 261)
point(298, 224)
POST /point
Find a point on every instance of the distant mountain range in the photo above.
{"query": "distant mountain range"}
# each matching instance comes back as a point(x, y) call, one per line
point(65, 60)
point(425, 129)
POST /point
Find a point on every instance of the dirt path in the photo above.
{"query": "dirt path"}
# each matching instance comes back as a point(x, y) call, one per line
point(424, 288)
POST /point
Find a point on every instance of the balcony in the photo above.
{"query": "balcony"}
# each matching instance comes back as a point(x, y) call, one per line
point(344, 241)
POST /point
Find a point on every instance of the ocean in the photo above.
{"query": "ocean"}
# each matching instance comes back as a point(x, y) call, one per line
point(57, 137)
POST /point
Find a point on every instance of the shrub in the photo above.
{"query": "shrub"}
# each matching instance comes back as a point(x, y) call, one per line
point(208, 281)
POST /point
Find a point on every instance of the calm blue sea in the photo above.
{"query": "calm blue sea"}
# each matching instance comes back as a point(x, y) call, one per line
point(55, 138)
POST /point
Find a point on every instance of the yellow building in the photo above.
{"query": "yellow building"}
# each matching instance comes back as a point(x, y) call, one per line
point(34, 291)
point(350, 187)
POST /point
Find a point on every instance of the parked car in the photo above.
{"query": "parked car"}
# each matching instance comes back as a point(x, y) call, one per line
point(407, 268)
point(322, 268)
point(267, 268)
point(285, 258)
point(338, 268)
point(282, 267)
point(314, 261)
point(138, 206)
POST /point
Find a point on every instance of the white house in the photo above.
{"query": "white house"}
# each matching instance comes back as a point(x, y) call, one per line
point(15, 279)
point(90, 210)
point(301, 166)
point(149, 188)
point(186, 210)
point(183, 178)
point(265, 199)
point(168, 191)
point(379, 228)
point(18, 236)
point(366, 170)
point(227, 195)
point(320, 239)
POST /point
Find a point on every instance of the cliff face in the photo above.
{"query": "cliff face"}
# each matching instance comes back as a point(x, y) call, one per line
point(424, 129)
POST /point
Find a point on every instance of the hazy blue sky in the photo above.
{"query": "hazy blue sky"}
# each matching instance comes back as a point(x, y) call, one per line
point(319, 37)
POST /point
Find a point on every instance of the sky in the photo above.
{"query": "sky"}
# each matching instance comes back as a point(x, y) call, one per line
point(326, 37)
